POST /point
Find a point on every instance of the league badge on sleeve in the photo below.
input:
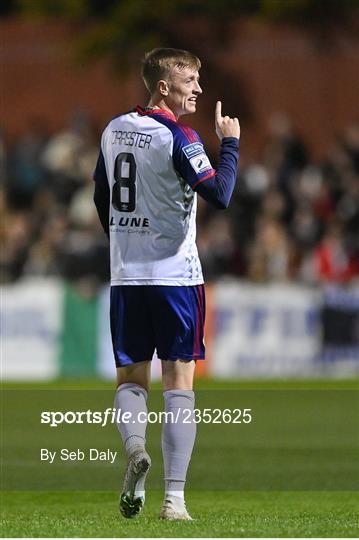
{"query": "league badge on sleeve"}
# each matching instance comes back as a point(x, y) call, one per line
point(200, 163)
point(197, 157)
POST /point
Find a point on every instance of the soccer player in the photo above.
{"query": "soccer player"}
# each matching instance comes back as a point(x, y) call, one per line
point(149, 171)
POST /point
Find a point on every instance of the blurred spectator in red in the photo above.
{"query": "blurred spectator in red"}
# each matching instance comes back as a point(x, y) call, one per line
point(332, 262)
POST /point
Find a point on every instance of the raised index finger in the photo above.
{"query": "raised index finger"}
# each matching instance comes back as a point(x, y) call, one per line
point(218, 111)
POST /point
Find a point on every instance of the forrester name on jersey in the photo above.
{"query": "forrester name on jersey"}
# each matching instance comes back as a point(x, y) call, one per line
point(139, 225)
point(131, 138)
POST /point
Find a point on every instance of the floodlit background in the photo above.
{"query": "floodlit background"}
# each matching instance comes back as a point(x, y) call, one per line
point(282, 264)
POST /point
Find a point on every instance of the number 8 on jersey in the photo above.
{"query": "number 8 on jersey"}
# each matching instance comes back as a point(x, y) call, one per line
point(124, 188)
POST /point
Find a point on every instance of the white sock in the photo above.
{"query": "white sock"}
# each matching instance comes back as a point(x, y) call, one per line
point(178, 438)
point(131, 397)
point(179, 494)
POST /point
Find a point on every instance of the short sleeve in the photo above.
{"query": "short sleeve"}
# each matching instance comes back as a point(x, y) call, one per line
point(190, 158)
point(100, 175)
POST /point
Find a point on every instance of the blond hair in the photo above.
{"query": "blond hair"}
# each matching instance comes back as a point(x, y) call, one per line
point(158, 63)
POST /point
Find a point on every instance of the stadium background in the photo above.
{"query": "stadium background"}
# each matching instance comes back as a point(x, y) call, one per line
point(281, 264)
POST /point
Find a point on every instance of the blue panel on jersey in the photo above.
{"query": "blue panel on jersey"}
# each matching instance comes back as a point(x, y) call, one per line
point(192, 163)
point(189, 157)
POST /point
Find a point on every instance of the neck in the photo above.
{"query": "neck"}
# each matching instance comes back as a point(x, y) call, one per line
point(159, 103)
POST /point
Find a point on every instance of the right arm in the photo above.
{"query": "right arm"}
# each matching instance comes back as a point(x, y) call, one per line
point(218, 190)
point(215, 186)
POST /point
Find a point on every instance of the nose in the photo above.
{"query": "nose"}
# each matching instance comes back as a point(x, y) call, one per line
point(198, 89)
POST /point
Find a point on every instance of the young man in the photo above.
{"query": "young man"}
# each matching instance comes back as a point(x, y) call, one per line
point(148, 172)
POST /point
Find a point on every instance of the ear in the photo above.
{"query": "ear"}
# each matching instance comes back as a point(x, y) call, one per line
point(162, 87)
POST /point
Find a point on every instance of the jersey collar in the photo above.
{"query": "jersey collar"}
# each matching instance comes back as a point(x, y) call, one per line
point(148, 112)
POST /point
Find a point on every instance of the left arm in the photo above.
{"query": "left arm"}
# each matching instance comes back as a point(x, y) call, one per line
point(102, 193)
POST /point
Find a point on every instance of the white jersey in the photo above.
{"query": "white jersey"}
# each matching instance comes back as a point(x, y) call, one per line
point(152, 165)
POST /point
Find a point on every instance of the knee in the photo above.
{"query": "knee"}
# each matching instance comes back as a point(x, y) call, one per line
point(142, 381)
point(137, 374)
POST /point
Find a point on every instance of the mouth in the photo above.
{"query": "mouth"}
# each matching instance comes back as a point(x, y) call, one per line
point(193, 100)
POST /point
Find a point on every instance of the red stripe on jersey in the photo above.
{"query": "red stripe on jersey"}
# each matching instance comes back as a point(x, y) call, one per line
point(188, 132)
point(162, 112)
point(199, 322)
point(207, 177)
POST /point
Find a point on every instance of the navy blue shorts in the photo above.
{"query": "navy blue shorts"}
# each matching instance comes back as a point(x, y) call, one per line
point(148, 317)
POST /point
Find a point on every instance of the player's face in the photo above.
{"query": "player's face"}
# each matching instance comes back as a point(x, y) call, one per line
point(184, 88)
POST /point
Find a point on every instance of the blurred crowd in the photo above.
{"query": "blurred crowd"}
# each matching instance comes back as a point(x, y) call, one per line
point(290, 219)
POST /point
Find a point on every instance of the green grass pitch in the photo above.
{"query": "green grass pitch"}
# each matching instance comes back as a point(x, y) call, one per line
point(292, 473)
point(227, 514)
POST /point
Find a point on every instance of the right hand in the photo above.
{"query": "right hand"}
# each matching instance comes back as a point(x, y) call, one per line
point(225, 126)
